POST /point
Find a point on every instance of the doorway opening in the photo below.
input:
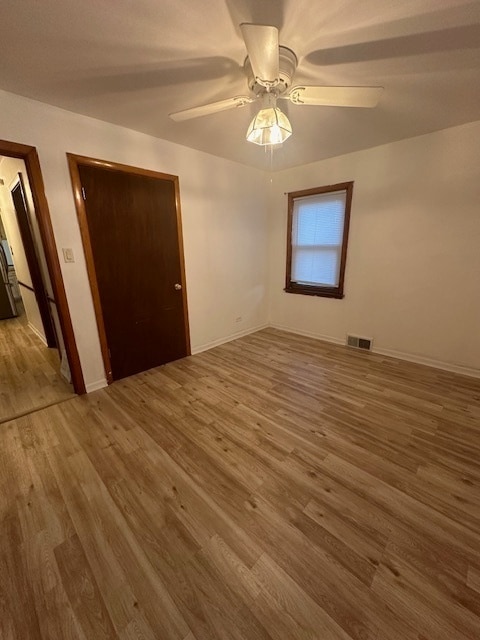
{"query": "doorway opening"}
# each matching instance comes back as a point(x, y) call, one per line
point(131, 230)
point(37, 346)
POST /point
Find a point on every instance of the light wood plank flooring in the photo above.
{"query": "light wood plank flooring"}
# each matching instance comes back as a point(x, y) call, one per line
point(29, 371)
point(274, 487)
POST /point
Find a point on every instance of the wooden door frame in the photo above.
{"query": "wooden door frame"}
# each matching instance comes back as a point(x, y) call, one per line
point(29, 155)
point(73, 163)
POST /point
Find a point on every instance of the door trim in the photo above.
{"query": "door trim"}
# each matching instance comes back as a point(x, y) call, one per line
point(74, 161)
point(29, 155)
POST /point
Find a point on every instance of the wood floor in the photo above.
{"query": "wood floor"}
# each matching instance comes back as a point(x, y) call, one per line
point(274, 487)
point(29, 371)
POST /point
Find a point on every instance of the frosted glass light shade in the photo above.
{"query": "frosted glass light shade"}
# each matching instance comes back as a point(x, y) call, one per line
point(269, 126)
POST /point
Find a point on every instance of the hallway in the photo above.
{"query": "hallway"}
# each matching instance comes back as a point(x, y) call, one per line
point(29, 371)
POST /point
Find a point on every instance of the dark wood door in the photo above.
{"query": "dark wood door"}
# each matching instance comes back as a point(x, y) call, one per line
point(136, 248)
point(29, 246)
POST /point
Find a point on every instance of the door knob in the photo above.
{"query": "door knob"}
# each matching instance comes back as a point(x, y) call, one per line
point(177, 287)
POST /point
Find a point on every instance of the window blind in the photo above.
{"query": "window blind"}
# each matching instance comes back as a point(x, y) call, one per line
point(317, 233)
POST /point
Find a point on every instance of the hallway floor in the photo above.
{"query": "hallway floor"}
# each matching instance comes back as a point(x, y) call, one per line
point(29, 371)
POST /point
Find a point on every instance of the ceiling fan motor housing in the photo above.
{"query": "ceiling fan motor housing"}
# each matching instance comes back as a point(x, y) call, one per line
point(287, 65)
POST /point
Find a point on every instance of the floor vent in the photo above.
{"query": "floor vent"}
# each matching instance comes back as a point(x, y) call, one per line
point(359, 343)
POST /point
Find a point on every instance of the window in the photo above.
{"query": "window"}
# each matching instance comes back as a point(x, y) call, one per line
point(318, 222)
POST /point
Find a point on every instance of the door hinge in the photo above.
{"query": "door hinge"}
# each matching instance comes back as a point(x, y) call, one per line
point(83, 193)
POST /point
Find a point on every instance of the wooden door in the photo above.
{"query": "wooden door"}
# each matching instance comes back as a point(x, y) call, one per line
point(29, 246)
point(134, 232)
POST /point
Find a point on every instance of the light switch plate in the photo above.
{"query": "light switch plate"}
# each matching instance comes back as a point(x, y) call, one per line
point(68, 255)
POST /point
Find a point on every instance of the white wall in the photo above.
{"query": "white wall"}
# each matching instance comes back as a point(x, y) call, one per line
point(9, 170)
point(413, 264)
point(224, 213)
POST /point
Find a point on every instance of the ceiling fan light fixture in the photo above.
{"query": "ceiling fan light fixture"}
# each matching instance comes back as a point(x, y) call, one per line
point(269, 126)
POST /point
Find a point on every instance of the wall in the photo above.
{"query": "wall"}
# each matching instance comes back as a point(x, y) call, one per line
point(9, 170)
point(413, 250)
point(225, 225)
point(413, 261)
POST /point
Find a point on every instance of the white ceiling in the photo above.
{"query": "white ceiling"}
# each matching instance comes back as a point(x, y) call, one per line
point(132, 62)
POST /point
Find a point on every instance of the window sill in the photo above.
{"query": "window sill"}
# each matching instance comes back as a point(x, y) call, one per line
point(311, 291)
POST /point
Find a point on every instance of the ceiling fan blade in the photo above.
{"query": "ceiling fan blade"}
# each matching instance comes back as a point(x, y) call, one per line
point(336, 96)
point(261, 42)
point(213, 107)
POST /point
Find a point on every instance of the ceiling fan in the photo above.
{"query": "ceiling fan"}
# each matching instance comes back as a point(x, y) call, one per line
point(269, 68)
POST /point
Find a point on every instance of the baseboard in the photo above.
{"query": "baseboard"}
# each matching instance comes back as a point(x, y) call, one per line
point(233, 336)
point(308, 334)
point(95, 386)
point(429, 362)
point(65, 367)
point(391, 353)
point(37, 333)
